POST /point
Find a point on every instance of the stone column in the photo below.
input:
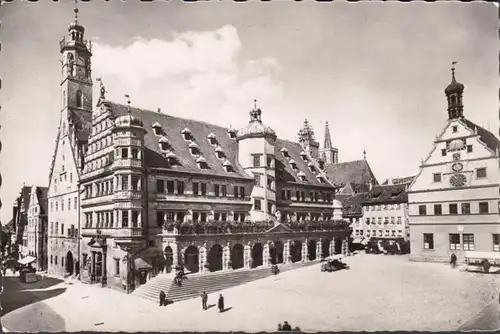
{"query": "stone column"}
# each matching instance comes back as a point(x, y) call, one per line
point(345, 247)
point(203, 258)
point(265, 255)
point(319, 249)
point(247, 256)
point(129, 218)
point(176, 257)
point(332, 246)
point(287, 257)
point(304, 251)
point(226, 257)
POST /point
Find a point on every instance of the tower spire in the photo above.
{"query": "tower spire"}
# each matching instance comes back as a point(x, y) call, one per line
point(76, 11)
point(454, 93)
point(364, 154)
point(328, 140)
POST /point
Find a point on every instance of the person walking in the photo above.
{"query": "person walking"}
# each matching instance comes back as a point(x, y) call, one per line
point(162, 298)
point(221, 303)
point(204, 299)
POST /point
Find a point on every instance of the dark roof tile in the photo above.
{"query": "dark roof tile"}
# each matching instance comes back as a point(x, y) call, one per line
point(358, 172)
point(485, 136)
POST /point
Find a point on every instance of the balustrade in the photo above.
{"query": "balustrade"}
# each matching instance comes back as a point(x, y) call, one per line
point(128, 194)
point(128, 163)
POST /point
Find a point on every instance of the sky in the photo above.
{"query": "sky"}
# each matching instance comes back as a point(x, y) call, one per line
point(375, 71)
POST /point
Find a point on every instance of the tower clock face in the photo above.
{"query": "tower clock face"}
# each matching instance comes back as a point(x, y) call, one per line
point(458, 180)
point(457, 167)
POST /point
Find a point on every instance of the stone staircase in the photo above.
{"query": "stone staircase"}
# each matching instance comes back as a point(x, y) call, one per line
point(209, 282)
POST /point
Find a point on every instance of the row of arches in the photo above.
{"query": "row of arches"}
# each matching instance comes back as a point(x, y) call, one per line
point(215, 256)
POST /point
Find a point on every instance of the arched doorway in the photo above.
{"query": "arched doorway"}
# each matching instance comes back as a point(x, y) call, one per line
point(215, 258)
point(77, 267)
point(98, 265)
point(257, 251)
point(169, 259)
point(296, 251)
point(325, 248)
point(237, 256)
point(69, 263)
point(276, 252)
point(311, 250)
point(191, 259)
point(338, 246)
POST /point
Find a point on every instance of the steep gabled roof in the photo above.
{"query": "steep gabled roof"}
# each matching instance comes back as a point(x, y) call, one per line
point(357, 171)
point(400, 180)
point(42, 194)
point(484, 135)
point(25, 197)
point(351, 205)
point(9, 227)
point(387, 194)
point(172, 127)
point(290, 175)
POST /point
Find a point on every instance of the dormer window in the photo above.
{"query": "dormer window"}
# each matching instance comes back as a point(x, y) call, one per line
point(172, 158)
point(220, 152)
point(321, 164)
point(157, 128)
point(228, 166)
point(302, 176)
point(284, 151)
point(202, 163)
point(194, 148)
point(303, 155)
point(311, 166)
point(164, 143)
point(187, 134)
point(211, 138)
point(293, 164)
point(320, 178)
point(232, 133)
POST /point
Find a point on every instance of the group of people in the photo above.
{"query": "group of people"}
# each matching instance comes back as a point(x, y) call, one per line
point(287, 328)
point(181, 275)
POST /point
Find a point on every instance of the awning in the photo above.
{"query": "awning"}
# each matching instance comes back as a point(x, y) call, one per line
point(27, 260)
point(141, 264)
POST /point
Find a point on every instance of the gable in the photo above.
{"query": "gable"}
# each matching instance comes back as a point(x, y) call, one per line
point(64, 175)
point(279, 228)
point(358, 172)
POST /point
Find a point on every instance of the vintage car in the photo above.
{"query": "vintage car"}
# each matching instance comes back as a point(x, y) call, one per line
point(482, 261)
point(333, 263)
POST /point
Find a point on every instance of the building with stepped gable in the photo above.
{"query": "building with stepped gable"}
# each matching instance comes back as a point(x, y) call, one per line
point(454, 200)
point(134, 193)
point(36, 231)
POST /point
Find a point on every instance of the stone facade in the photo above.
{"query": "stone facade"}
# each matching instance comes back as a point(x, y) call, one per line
point(36, 230)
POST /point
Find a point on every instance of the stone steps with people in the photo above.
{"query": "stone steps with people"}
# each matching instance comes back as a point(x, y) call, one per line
point(195, 284)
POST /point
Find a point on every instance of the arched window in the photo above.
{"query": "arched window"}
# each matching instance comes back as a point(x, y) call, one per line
point(79, 99)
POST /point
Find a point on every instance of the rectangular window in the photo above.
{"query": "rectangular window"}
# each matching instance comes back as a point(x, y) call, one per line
point(481, 173)
point(311, 196)
point(62, 205)
point(496, 242)
point(216, 190)
point(124, 218)
point(160, 186)
point(203, 217)
point(196, 216)
point(170, 216)
point(135, 182)
point(454, 128)
point(468, 242)
point(62, 229)
point(469, 148)
point(257, 205)
point(195, 188)
point(453, 209)
point(257, 178)
point(289, 194)
point(270, 183)
point(170, 187)
point(454, 241)
point(224, 216)
point(242, 192)
point(465, 208)
point(74, 203)
point(235, 192)
point(256, 160)
point(428, 241)
point(437, 177)
point(117, 267)
point(297, 195)
point(483, 207)
point(269, 162)
point(204, 189)
point(216, 216)
point(69, 203)
point(135, 153)
point(283, 194)
point(180, 187)
point(135, 218)
point(223, 190)
point(124, 153)
point(422, 210)
point(124, 182)
point(437, 209)
point(443, 152)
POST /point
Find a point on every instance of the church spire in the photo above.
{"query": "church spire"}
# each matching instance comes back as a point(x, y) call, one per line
point(454, 93)
point(328, 140)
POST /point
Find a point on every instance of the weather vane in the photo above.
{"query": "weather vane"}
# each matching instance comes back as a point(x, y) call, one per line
point(453, 63)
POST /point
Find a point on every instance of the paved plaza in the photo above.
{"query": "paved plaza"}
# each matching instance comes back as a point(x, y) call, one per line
point(378, 293)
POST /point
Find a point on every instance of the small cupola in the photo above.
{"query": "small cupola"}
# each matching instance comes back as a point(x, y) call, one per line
point(284, 151)
point(194, 148)
point(303, 155)
point(186, 133)
point(156, 128)
point(232, 132)
point(220, 152)
point(311, 166)
point(454, 93)
point(228, 166)
point(301, 175)
point(293, 164)
point(202, 163)
point(164, 143)
point(212, 139)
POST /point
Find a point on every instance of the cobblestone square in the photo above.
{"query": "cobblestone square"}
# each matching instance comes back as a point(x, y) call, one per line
point(378, 293)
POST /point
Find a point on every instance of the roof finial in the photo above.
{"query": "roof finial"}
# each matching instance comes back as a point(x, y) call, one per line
point(128, 102)
point(76, 11)
point(453, 63)
point(255, 104)
point(364, 154)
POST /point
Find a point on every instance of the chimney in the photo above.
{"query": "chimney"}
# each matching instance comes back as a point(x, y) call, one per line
point(159, 110)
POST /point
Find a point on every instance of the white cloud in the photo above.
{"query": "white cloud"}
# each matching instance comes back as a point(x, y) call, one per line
point(195, 74)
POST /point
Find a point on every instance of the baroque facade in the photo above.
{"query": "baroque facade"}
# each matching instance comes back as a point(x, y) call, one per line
point(134, 193)
point(454, 200)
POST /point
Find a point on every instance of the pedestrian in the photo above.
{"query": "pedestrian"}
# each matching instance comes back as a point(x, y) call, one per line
point(280, 328)
point(287, 327)
point(162, 298)
point(204, 299)
point(221, 303)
